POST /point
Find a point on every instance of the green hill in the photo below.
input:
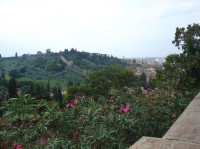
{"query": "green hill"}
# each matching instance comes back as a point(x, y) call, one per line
point(60, 68)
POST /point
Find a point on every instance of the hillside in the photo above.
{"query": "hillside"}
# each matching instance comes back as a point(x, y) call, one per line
point(60, 68)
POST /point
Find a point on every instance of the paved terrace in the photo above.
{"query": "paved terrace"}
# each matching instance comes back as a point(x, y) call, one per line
point(183, 134)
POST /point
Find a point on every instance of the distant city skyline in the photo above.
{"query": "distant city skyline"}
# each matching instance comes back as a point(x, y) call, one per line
point(128, 29)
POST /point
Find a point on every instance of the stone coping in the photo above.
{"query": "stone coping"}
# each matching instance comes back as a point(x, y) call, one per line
point(160, 143)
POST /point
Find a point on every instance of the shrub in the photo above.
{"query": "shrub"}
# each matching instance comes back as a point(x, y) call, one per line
point(115, 121)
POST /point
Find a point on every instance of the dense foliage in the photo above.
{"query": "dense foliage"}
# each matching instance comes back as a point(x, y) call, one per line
point(104, 81)
point(90, 122)
point(186, 65)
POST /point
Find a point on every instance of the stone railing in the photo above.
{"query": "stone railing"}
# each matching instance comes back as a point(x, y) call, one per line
point(183, 134)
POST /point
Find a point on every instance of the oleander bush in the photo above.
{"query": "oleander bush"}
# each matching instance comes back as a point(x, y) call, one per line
point(114, 121)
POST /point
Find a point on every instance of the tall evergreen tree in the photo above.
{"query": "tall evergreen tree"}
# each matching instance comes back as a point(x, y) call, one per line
point(55, 93)
point(16, 55)
point(60, 97)
point(70, 83)
point(37, 90)
point(48, 91)
point(48, 86)
point(12, 88)
point(4, 87)
point(3, 78)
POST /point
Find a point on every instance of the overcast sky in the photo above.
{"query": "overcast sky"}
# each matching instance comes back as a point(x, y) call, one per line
point(123, 28)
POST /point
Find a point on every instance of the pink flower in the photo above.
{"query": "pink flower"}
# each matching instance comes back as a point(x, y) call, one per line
point(149, 89)
point(79, 97)
point(146, 92)
point(173, 116)
point(111, 100)
point(128, 106)
point(44, 139)
point(150, 93)
point(68, 105)
point(18, 146)
point(73, 106)
point(74, 102)
point(15, 146)
point(121, 109)
point(151, 100)
point(125, 109)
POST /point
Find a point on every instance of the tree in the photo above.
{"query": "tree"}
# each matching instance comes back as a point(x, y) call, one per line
point(39, 53)
point(26, 87)
point(183, 69)
point(16, 55)
point(70, 83)
point(3, 76)
point(60, 97)
point(12, 88)
point(54, 66)
point(112, 77)
point(47, 96)
point(48, 51)
point(188, 39)
point(143, 77)
point(73, 51)
point(3, 89)
point(22, 70)
point(143, 80)
point(37, 89)
point(54, 92)
point(14, 73)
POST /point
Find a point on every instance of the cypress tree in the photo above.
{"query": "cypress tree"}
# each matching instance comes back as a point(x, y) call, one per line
point(48, 91)
point(12, 88)
point(60, 97)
